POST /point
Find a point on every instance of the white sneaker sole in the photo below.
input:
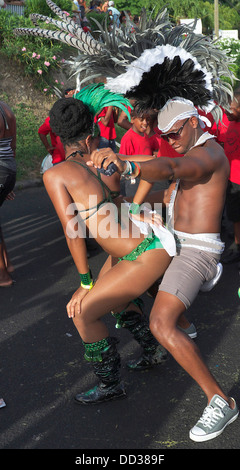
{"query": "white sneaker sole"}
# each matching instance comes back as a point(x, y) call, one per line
point(208, 437)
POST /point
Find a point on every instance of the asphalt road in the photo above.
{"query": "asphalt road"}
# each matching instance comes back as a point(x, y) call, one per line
point(42, 365)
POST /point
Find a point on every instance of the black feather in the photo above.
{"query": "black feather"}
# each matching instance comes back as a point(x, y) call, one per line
point(169, 79)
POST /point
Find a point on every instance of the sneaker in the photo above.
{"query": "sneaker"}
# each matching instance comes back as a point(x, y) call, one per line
point(216, 416)
point(190, 331)
point(147, 361)
point(101, 393)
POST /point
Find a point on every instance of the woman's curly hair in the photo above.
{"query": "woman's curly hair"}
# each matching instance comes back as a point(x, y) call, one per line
point(71, 120)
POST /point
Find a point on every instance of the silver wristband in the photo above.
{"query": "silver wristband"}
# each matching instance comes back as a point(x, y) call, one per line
point(128, 169)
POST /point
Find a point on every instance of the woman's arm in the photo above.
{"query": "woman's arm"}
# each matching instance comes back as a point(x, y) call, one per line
point(64, 207)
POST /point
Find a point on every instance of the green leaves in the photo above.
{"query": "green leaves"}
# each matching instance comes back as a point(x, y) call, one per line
point(39, 56)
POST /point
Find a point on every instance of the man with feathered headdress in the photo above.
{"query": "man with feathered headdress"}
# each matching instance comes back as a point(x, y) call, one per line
point(196, 200)
point(176, 86)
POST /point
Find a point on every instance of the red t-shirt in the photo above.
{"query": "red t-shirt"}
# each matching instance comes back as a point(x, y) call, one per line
point(108, 132)
point(135, 144)
point(232, 150)
point(154, 141)
point(58, 153)
point(220, 130)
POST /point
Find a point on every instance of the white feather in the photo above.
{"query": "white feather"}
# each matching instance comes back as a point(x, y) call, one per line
point(148, 58)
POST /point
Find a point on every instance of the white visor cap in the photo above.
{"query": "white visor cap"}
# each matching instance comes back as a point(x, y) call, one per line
point(177, 109)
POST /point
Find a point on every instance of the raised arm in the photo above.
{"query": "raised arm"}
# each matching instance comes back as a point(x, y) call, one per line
point(194, 167)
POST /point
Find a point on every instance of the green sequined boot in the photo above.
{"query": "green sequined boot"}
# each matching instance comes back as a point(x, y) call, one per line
point(106, 364)
point(138, 325)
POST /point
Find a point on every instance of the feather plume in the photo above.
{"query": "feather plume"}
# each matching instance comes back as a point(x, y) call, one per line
point(171, 78)
point(134, 63)
point(112, 53)
point(96, 97)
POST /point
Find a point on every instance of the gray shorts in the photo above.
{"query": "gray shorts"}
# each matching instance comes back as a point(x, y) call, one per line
point(188, 270)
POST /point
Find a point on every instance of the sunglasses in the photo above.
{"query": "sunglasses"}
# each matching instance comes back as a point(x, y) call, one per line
point(174, 135)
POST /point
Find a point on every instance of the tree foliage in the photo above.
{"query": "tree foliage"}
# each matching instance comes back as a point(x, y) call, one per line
point(229, 11)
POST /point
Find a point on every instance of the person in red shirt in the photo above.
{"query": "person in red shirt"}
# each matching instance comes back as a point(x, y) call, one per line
point(56, 147)
point(220, 129)
point(136, 142)
point(153, 133)
point(106, 122)
point(232, 151)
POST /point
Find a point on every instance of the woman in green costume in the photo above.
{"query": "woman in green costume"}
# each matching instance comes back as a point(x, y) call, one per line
point(84, 197)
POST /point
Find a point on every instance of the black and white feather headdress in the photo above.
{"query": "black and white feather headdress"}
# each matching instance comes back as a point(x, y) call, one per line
point(152, 63)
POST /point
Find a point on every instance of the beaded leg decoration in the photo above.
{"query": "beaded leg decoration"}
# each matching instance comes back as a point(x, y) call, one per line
point(106, 365)
point(138, 325)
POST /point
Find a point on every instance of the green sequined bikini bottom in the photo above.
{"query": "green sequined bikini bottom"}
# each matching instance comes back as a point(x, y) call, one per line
point(149, 243)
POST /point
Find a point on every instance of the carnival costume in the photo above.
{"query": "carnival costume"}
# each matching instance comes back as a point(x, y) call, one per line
point(152, 64)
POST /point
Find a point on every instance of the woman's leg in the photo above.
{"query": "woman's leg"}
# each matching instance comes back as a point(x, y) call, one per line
point(7, 182)
point(131, 317)
point(163, 322)
point(8, 263)
point(122, 283)
point(5, 278)
point(125, 281)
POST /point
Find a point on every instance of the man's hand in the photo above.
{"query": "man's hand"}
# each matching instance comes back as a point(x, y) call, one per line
point(150, 217)
point(108, 156)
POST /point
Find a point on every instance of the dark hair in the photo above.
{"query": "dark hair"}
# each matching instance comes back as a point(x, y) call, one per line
point(67, 91)
point(137, 112)
point(71, 120)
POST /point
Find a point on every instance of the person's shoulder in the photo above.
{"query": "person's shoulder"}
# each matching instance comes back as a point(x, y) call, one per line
point(212, 153)
point(127, 135)
point(54, 174)
point(46, 122)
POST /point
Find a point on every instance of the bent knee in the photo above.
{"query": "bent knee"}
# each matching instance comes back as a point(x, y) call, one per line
point(157, 327)
point(163, 331)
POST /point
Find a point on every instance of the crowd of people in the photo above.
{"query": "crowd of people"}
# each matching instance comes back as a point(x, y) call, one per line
point(175, 293)
point(117, 18)
point(178, 250)
point(69, 120)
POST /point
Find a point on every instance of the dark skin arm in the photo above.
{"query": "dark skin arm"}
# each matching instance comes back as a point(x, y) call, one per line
point(203, 173)
point(192, 167)
point(46, 144)
point(105, 119)
point(61, 200)
point(11, 132)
